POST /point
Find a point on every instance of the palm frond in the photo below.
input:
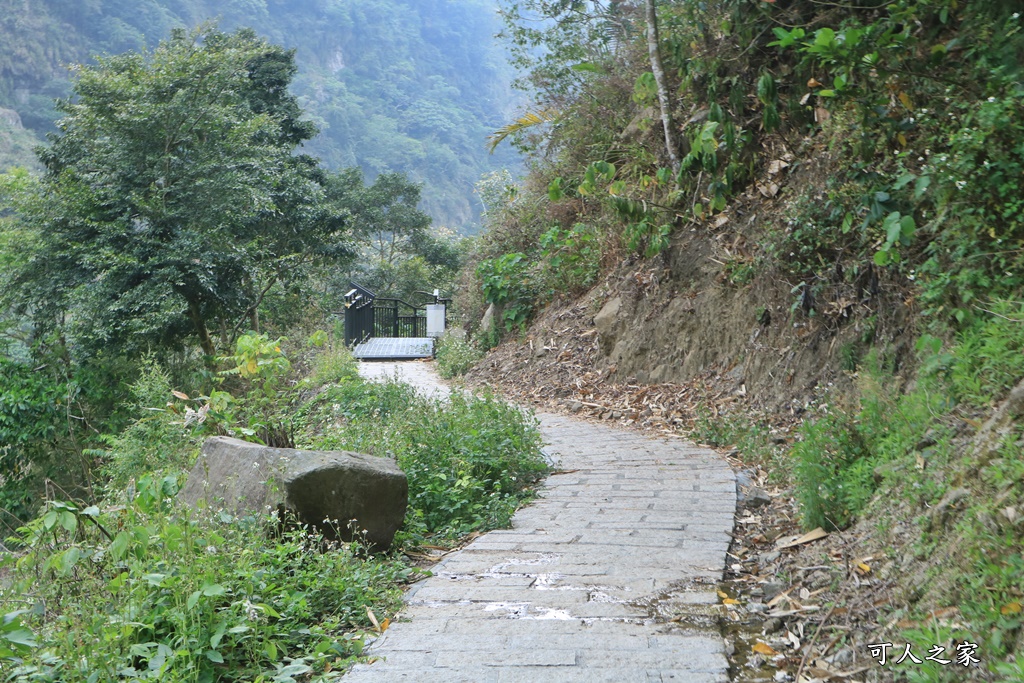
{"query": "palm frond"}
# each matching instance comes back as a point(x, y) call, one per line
point(528, 120)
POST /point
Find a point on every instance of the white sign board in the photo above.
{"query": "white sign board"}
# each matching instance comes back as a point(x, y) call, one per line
point(435, 320)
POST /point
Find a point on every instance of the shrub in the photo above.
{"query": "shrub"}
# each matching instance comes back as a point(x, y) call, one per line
point(833, 471)
point(471, 461)
point(455, 356)
point(507, 284)
point(157, 442)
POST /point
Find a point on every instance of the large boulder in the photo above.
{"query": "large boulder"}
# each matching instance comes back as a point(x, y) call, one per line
point(349, 490)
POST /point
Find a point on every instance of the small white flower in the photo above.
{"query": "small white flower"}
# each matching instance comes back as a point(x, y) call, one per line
point(211, 549)
point(961, 184)
point(991, 99)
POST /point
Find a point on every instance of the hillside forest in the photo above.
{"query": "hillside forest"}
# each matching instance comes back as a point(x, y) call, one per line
point(391, 85)
point(790, 229)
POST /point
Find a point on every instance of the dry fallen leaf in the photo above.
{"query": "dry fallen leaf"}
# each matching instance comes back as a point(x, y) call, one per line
point(763, 649)
point(1011, 608)
point(180, 394)
point(814, 83)
point(373, 619)
point(730, 601)
point(791, 541)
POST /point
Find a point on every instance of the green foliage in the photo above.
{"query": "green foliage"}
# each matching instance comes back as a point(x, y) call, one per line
point(832, 471)
point(331, 366)
point(173, 200)
point(455, 356)
point(506, 284)
point(471, 461)
point(393, 85)
point(957, 196)
point(185, 599)
point(32, 423)
point(157, 443)
point(987, 359)
point(838, 453)
point(398, 254)
point(572, 257)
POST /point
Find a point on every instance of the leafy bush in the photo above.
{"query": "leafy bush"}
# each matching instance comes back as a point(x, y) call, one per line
point(835, 459)
point(455, 356)
point(140, 591)
point(988, 361)
point(833, 471)
point(31, 424)
point(157, 443)
point(572, 257)
point(506, 284)
point(471, 461)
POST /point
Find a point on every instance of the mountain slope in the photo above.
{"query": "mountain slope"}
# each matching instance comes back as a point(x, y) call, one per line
point(394, 85)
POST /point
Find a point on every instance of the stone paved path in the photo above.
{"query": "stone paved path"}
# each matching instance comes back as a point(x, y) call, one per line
point(628, 534)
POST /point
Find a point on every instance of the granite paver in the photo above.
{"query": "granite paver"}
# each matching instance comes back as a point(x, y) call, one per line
point(627, 533)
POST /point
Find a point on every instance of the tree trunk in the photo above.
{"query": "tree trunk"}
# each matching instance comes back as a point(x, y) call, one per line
point(671, 145)
point(205, 340)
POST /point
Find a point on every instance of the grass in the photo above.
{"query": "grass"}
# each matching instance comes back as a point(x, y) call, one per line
point(905, 447)
point(471, 460)
point(149, 592)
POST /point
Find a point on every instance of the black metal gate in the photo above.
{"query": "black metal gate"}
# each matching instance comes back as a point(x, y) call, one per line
point(367, 316)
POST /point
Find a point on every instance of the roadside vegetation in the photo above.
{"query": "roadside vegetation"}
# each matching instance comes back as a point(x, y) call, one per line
point(851, 168)
point(127, 583)
point(170, 277)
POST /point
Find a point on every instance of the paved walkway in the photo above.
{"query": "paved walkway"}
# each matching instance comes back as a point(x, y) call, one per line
point(610, 576)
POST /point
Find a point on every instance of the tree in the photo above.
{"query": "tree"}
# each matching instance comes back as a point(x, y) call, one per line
point(654, 50)
point(399, 255)
point(172, 198)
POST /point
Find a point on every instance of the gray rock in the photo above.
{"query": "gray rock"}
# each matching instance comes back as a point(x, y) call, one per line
point(491, 317)
point(769, 557)
point(606, 322)
point(343, 489)
point(744, 480)
point(941, 512)
point(772, 625)
point(772, 589)
point(575, 406)
point(756, 607)
point(843, 659)
point(754, 497)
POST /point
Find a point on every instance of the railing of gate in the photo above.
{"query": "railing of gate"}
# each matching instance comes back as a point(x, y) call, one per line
point(367, 315)
point(397, 318)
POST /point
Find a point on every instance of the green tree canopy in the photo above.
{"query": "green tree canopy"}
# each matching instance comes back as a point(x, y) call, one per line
point(398, 253)
point(172, 198)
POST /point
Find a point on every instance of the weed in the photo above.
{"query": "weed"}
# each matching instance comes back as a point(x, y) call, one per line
point(455, 356)
point(471, 461)
point(142, 591)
